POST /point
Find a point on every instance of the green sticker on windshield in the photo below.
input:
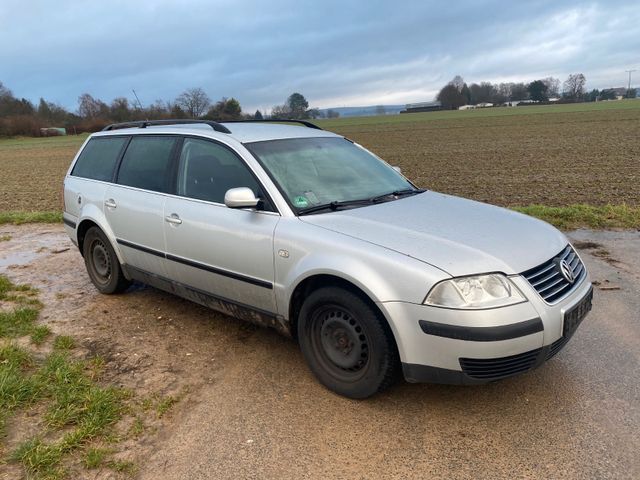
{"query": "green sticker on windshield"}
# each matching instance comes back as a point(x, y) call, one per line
point(300, 201)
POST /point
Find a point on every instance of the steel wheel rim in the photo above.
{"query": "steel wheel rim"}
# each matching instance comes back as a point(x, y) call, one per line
point(100, 261)
point(340, 342)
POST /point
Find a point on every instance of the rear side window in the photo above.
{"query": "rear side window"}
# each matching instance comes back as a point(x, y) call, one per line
point(98, 158)
point(146, 163)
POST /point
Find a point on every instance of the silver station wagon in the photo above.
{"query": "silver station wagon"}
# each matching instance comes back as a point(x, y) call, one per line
point(305, 231)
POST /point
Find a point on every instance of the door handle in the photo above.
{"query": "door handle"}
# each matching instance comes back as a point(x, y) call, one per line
point(111, 203)
point(173, 218)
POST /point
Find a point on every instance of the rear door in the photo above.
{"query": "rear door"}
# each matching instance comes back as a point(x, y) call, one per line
point(225, 252)
point(134, 206)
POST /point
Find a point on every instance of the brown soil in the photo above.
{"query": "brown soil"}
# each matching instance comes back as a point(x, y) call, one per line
point(552, 159)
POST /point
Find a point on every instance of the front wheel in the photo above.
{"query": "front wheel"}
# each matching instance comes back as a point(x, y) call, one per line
point(346, 343)
point(102, 263)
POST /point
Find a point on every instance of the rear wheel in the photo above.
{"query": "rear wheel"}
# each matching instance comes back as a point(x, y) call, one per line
point(346, 343)
point(102, 263)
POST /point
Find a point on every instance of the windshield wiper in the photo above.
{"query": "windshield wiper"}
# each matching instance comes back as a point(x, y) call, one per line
point(396, 193)
point(335, 205)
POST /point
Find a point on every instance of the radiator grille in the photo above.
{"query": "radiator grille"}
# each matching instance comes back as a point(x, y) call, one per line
point(548, 280)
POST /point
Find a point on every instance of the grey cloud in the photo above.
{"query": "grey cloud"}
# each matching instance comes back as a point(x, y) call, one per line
point(336, 53)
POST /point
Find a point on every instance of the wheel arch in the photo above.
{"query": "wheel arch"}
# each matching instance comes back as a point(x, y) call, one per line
point(86, 223)
point(316, 281)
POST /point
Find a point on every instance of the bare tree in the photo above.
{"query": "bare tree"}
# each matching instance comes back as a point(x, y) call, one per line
point(483, 93)
point(553, 86)
point(120, 110)
point(89, 107)
point(573, 87)
point(504, 93)
point(158, 110)
point(519, 91)
point(194, 102)
point(5, 92)
point(280, 111)
point(457, 82)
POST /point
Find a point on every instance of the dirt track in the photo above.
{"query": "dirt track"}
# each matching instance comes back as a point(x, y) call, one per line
point(251, 409)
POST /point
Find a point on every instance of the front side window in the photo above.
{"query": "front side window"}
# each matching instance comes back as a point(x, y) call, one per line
point(98, 158)
point(313, 172)
point(146, 163)
point(207, 170)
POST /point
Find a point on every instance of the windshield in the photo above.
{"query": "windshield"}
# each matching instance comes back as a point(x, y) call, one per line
point(319, 171)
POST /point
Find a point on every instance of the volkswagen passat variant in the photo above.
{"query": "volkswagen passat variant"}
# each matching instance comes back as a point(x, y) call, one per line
point(307, 232)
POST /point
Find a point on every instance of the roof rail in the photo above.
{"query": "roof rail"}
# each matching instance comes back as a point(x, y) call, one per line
point(150, 123)
point(277, 120)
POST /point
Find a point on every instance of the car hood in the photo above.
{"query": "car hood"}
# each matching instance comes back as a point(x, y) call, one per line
point(459, 236)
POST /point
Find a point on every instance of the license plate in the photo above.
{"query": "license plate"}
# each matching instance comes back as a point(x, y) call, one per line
point(573, 317)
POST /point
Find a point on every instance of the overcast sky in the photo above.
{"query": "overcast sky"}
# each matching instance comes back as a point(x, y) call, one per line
point(336, 53)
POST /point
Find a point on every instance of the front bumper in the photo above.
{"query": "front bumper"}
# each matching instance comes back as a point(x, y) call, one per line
point(478, 346)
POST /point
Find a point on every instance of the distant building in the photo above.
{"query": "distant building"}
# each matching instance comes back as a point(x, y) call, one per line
point(422, 107)
point(52, 132)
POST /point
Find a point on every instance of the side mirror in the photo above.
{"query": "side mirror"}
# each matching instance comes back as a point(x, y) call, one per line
point(397, 169)
point(241, 197)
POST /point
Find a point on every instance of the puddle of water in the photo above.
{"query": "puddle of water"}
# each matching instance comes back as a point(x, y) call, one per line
point(29, 247)
point(16, 258)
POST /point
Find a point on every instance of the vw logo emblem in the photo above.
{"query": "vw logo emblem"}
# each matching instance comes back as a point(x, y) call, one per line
point(565, 270)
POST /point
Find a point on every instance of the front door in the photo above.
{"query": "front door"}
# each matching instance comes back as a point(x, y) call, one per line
point(222, 251)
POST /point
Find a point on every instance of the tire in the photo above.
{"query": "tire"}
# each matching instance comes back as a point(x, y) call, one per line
point(346, 343)
point(102, 263)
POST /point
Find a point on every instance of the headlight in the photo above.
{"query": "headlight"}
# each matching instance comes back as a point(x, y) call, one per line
point(478, 291)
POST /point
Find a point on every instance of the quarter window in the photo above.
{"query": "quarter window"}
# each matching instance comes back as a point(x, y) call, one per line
point(207, 170)
point(98, 158)
point(146, 163)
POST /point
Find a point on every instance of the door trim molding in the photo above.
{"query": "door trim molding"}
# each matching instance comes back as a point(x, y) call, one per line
point(201, 266)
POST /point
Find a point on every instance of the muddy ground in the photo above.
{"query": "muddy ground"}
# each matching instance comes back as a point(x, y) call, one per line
point(249, 407)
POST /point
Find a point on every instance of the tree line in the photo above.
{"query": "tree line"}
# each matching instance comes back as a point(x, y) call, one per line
point(457, 93)
point(19, 116)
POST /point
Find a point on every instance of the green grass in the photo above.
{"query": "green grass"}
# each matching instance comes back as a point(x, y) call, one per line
point(164, 404)
point(5, 238)
point(74, 404)
point(94, 457)
point(19, 218)
point(39, 334)
point(123, 466)
point(5, 286)
point(478, 113)
point(586, 216)
point(43, 142)
point(64, 342)
point(18, 322)
point(17, 387)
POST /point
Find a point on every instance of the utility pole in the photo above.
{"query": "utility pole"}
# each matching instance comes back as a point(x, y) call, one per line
point(629, 87)
point(140, 103)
